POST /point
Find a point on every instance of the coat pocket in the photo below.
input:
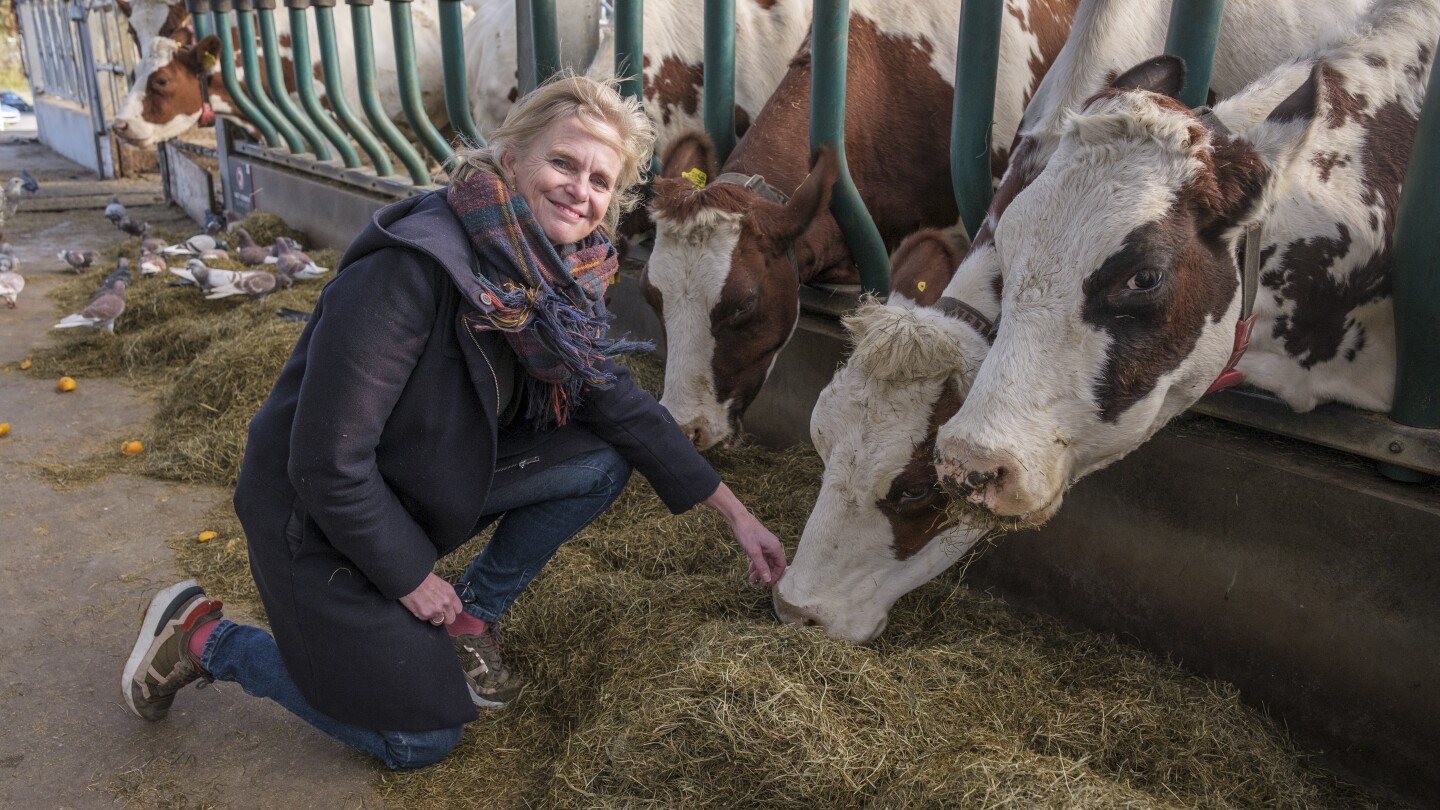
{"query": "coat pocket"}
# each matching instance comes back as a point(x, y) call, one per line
point(295, 529)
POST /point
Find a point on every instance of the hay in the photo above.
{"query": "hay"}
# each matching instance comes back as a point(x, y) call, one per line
point(658, 677)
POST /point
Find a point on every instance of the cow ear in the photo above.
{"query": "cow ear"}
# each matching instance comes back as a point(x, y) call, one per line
point(807, 203)
point(690, 150)
point(184, 36)
point(1255, 162)
point(206, 52)
point(924, 263)
point(1163, 74)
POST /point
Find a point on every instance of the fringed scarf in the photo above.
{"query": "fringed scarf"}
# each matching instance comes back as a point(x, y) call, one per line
point(550, 308)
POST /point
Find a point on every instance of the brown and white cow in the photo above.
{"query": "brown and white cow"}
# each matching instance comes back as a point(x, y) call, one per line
point(174, 82)
point(876, 422)
point(157, 18)
point(729, 298)
point(1122, 287)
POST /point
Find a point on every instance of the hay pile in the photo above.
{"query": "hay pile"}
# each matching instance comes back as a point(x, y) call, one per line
point(658, 677)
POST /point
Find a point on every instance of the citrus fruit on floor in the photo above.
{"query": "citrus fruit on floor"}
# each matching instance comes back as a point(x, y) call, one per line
point(131, 448)
point(66, 384)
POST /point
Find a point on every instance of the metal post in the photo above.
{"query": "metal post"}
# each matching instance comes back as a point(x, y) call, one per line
point(1194, 28)
point(370, 99)
point(410, 97)
point(973, 111)
point(80, 17)
point(830, 44)
point(1416, 282)
point(244, 18)
point(335, 89)
point(546, 39)
point(452, 51)
point(720, 76)
point(199, 17)
point(270, 55)
point(305, 83)
point(629, 22)
point(252, 112)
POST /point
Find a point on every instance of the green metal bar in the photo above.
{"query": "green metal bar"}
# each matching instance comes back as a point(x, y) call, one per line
point(410, 97)
point(1194, 28)
point(452, 52)
point(244, 18)
point(629, 24)
point(720, 76)
point(545, 35)
point(335, 90)
point(971, 115)
point(199, 17)
point(248, 108)
point(830, 40)
point(370, 99)
point(305, 84)
point(270, 55)
point(1416, 281)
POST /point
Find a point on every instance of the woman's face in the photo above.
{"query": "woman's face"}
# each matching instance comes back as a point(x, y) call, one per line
point(568, 177)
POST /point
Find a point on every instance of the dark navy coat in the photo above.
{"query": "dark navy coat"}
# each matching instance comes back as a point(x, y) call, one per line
point(372, 458)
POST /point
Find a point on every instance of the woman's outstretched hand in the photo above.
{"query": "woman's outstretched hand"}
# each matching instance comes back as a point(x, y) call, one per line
point(767, 556)
point(434, 601)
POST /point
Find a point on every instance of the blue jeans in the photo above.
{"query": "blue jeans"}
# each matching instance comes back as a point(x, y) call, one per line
point(538, 514)
point(248, 656)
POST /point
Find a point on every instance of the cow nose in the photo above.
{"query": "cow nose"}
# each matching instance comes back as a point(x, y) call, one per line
point(119, 126)
point(979, 478)
point(789, 614)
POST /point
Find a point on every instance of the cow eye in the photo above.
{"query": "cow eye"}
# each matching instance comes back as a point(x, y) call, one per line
point(1144, 280)
point(916, 493)
point(744, 311)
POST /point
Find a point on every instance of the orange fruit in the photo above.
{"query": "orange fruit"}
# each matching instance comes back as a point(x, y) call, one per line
point(131, 448)
point(206, 537)
point(66, 384)
point(25, 365)
point(4, 428)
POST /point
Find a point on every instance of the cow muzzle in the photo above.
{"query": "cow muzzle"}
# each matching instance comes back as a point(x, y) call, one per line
point(862, 630)
point(992, 488)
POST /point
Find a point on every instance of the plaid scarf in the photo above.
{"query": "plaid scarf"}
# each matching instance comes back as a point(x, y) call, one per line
point(550, 308)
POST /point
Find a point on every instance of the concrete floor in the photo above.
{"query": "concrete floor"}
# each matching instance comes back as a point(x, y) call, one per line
point(77, 569)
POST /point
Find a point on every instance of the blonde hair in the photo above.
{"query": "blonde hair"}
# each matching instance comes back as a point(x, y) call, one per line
point(622, 124)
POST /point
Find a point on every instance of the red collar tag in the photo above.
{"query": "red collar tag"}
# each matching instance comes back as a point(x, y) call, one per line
point(1230, 377)
point(207, 116)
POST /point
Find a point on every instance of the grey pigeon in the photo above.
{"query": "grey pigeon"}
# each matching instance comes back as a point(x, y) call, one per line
point(115, 210)
point(11, 283)
point(14, 190)
point(214, 223)
point(120, 273)
point(78, 259)
point(194, 246)
point(152, 264)
point(101, 313)
point(253, 284)
point(206, 278)
point(247, 251)
point(132, 227)
point(8, 262)
point(31, 184)
point(296, 265)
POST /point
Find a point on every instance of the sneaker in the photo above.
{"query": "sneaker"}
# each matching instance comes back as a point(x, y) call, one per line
point(161, 664)
point(491, 683)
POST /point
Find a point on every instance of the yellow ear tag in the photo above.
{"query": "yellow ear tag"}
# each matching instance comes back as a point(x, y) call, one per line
point(208, 61)
point(920, 285)
point(696, 177)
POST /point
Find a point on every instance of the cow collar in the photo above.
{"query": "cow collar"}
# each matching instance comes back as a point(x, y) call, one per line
point(956, 308)
point(757, 184)
point(1249, 281)
point(207, 112)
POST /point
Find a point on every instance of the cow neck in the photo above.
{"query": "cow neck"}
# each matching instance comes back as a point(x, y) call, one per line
point(1230, 376)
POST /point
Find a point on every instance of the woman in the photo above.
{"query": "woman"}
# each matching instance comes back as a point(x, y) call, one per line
point(454, 373)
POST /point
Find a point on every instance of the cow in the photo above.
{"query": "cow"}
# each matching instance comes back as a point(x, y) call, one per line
point(727, 293)
point(1123, 295)
point(149, 19)
point(177, 87)
point(876, 423)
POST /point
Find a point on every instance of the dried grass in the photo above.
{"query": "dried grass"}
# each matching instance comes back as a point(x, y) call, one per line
point(659, 678)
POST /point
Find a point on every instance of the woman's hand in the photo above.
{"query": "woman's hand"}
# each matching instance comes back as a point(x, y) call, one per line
point(767, 556)
point(434, 601)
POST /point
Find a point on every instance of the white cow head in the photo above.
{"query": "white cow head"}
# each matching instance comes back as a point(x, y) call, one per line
point(1121, 290)
point(722, 279)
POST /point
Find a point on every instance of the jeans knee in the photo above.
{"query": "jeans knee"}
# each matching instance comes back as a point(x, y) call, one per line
point(615, 473)
point(407, 750)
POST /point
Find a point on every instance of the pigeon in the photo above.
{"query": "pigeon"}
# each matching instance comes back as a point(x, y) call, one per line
point(31, 184)
point(8, 262)
point(14, 190)
point(215, 254)
point(152, 244)
point(206, 278)
point(253, 284)
point(296, 265)
point(11, 283)
point(115, 210)
point(214, 223)
point(296, 315)
point(152, 264)
point(120, 273)
point(249, 252)
point(194, 246)
point(132, 227)
point(78, 259)
point(101, 313)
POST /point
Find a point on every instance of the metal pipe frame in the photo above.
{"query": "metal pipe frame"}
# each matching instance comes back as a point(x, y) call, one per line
point(335, 90)
point(305, 83)
point(1194, 29)
point(457, 92)
point(221, 10)
point(200, 17)
point(972, 115)
point(410, 97)
point(830, 46)
point(629, 22)
point(370, 99)
point(545, 35)
point(245, 22)
point(275, 75)
point(720, 76)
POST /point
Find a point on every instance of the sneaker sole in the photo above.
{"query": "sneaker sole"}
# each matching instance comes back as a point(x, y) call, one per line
point(484, 702)
point(162, 607)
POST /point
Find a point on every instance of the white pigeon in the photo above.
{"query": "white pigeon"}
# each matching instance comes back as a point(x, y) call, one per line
point(115, 210)
point(152, 264)
point(253, 284)
point(14, 190)
point(204, 277)
point(195, 245)
point(11, 283)
point(101, 313)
